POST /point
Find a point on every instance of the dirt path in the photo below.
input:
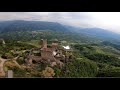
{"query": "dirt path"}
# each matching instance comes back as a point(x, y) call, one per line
point(14, 60)
point(2, 61)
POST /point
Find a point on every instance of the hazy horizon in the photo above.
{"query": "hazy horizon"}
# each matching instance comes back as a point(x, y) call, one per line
point(105, 20)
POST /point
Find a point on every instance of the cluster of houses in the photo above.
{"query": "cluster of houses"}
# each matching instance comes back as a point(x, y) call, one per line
point(53, 54)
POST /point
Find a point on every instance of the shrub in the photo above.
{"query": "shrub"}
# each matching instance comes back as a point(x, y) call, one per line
point(20, 60)
point(48, 72)
point(57, 71)
point(7, 56)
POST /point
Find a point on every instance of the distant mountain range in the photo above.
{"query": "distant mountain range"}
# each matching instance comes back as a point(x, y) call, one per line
point(97, 32)
point(21, 25)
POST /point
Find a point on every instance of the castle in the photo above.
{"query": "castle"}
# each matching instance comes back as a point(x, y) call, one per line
point(52, 54)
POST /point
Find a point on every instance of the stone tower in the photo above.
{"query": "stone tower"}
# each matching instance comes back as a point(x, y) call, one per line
point(54, 43)
point(43, 43)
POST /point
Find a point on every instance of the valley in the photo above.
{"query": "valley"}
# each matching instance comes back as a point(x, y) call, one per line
point(40, 49)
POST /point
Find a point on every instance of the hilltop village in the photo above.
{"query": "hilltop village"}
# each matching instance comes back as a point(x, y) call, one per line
point(52, 55)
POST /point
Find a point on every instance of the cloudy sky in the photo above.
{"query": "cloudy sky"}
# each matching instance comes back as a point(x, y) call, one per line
point(105, 20)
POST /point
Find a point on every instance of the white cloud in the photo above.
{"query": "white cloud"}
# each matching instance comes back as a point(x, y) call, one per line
point(106, 20)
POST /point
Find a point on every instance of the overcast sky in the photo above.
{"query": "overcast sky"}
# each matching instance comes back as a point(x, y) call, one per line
point(105, 20)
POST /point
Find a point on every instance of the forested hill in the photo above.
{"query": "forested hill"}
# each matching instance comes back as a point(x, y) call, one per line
point(20, 29)
point(20, 25)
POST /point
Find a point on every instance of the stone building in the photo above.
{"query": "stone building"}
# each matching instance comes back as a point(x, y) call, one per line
point(54, 44)
point(51, 54)
point(43, 43)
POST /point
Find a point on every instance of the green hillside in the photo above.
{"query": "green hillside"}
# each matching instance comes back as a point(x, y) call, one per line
point(89, 55)
point(88, 60)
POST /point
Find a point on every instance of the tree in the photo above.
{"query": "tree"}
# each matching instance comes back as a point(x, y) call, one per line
point(109, 72)
point(80, 67)
point(48, 72)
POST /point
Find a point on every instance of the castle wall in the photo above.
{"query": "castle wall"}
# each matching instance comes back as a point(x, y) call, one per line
point(47, 55)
